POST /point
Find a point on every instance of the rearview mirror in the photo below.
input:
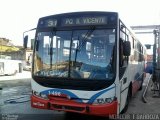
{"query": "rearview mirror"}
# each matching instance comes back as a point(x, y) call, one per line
point(25, 41)
point(126, 48)
point(37, 45)
point(148, 46)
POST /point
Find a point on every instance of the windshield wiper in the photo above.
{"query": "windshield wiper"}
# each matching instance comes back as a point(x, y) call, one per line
point(79, 47)
point(50, 50)
point(88, 33)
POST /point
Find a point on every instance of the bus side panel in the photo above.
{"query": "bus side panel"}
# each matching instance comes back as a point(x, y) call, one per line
point(124, 83)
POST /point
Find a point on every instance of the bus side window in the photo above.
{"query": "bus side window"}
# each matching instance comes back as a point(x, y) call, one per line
point(123, 60)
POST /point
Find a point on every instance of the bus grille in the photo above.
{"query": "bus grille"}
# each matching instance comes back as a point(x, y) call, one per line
point(65, 107)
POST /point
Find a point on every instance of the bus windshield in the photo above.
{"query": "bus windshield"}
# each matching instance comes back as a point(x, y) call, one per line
point(77, 54)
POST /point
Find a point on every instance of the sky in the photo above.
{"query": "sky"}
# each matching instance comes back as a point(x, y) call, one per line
point(17, 16)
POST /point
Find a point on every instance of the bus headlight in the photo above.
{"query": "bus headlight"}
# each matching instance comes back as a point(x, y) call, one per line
point(103, 100)
point(44, 96)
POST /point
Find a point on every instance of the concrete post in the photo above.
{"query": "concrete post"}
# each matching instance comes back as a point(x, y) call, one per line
point(154, 56)
point(159, 61)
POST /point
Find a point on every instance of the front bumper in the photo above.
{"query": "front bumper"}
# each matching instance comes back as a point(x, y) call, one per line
point(72, 106)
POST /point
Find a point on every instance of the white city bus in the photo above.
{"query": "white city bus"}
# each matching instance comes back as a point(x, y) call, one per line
point(85, 62)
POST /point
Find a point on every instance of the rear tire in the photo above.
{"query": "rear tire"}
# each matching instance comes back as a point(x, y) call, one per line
point(141, 83)
point(71, 115)
point(141, 87)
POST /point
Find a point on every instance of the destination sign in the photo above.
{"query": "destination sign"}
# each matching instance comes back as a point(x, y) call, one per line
point(84, 21)
point(76, 21)
point(49, 23)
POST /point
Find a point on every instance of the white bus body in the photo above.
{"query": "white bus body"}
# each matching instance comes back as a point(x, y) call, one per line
point(86, 62)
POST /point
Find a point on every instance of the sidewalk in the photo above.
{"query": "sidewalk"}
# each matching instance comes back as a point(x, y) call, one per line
point(23, 75)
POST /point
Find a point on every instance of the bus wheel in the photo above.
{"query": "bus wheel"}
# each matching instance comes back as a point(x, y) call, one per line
point(141, 83)
point(127, 102)
point(71, 115)
point(140, 87)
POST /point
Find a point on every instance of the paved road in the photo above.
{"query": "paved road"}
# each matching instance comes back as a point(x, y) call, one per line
point(137, 106)
point(15, 103)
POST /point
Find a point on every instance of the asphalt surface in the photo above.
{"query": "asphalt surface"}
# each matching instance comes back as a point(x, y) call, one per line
point(152, 105)
point(15, 104)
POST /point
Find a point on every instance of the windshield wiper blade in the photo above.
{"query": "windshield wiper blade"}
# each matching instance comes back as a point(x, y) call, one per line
point(51, 52)
point(88, 33)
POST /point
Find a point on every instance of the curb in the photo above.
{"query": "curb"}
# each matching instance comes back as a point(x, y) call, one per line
point(18, 76)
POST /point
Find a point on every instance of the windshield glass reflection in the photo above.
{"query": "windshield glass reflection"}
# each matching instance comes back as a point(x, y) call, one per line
point(82, 54)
